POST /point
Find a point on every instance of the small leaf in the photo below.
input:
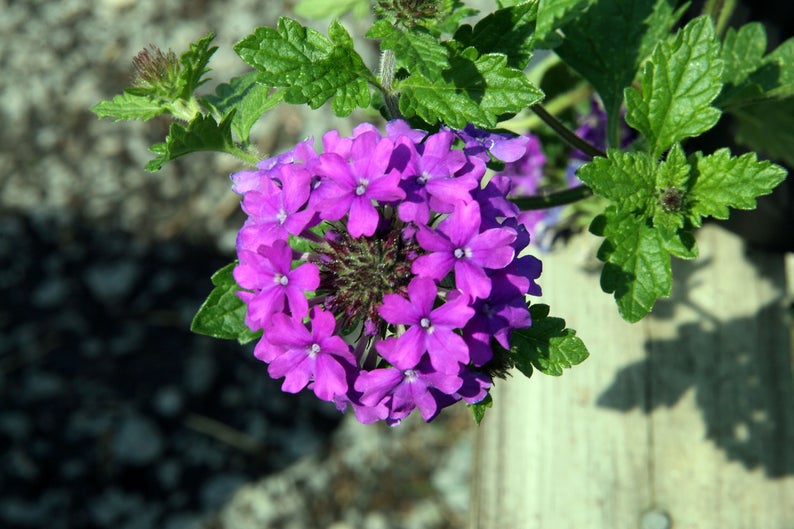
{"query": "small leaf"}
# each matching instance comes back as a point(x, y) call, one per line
point(722, 182)
point(626, 178)
point(415, 49)
point(547, 345)
point(201, 134)
point(127, 106)
point(311, 67)
point(636, 262)
point(508, 31)
point(679, 82)
point(222, 315)
point(249, 98)
point(478, 410)
point(768, 127)
point(555, 13)
point(194, 65)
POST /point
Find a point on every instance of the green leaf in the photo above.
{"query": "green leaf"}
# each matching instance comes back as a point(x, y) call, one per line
point(551, 15)
point(723, 181)
point(415, 49)
point(475, 90)
point(311, 67)
point(127, 106)
point(222, 315)
point(450, 13)
point(508, 31)
point(478, 410)
point(201, 134)
point(607, 43)
point(679, 82)
point(622, 177)
point(636, 262)
point(547, 345)
point(320, 9)
point(742, 51)
point(249, 98)
point(194, 65)
point(768, 127)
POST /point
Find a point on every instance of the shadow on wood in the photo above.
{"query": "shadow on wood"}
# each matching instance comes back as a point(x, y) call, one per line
point(683, 420)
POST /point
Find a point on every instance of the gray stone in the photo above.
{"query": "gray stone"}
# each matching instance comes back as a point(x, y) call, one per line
point(137, 441)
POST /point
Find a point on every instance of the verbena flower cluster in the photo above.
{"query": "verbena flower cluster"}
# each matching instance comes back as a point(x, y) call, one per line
point(382, 270)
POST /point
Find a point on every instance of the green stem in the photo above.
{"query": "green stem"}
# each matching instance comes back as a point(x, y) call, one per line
point(566, 134)
point(240, 154)
point(720, 12)
point(552, 200)
point(556, 105)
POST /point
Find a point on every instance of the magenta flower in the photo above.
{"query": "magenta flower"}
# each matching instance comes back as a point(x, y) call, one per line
point(459, 244)
point(431, 330)
point(302, 154)
point(350, 188)
point(503, 146)
point(302, 356)
point(267, 274)
point(276, 212)
point(404, 389)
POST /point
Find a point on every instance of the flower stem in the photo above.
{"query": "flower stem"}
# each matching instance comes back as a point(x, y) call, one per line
point(720, 12)
point(552, 200)
point(520, 125)
point(566, 134)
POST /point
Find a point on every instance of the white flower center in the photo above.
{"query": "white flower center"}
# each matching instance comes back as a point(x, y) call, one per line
point(314, 349)
point(281, 216)
point(281, 279)
point(459, 253)
point(410, 375)
point(361, 188)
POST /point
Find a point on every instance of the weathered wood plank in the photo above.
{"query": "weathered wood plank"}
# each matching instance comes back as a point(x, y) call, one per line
point(688, 414)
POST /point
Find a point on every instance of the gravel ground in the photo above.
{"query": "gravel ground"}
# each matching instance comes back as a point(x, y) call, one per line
point(113, 414)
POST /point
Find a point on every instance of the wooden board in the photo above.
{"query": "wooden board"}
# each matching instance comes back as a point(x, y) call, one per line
point(683, 420)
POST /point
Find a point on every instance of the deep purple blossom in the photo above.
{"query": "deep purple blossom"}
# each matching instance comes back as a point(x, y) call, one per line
point(504, 146)
point(302, 154)
point(431, 330)
point(273, 285)
point(302, 356)
point(351, 187)
point(459, 244)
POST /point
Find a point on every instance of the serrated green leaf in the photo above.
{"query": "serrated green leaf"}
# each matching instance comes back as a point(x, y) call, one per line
point(671, 187)
point(478, 410)
point(311, 67)
point(450, 13)
point(222, 315)
point(475, 90)
point(319, 9)
point(547, 345)
point(201, 134)
point(194, 65)
point(679, 82)
point(607, 43)
point(636, 262)
point(250, 99)
point(722, 181)
point(742, 51)
point(415, 49)
point(127, 106)
point(622, 177)
point(508, 31)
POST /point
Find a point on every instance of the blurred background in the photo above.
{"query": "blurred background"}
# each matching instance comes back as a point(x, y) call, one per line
point(112, 414)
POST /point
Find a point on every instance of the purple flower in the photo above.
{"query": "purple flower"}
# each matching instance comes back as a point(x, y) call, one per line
point(432, 179)
point(459, 244)
point(406, 388)
point(431, 330)
point(276, 212)
point(302, 154)
point(302, 356)
point(350, 188)
point(267, 274)
point(503, 146)
point(526, 173)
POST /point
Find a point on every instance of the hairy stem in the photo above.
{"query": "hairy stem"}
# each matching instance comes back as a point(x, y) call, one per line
point(387, 68)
